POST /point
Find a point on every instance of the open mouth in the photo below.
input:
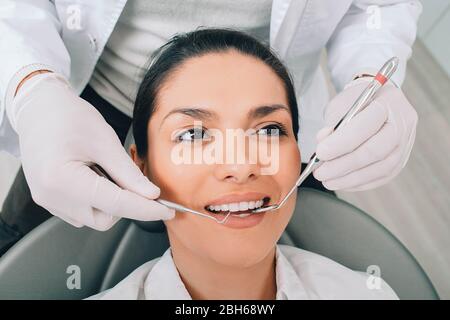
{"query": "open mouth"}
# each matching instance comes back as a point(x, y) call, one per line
point(240, 209)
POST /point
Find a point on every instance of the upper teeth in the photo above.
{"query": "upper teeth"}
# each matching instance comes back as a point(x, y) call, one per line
point(237, 206)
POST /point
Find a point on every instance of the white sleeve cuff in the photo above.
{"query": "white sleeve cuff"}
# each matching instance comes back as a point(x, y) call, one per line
point(12, 86)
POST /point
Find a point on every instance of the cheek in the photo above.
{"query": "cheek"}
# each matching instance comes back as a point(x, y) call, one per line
point(177, 182)
point(289, 166)
point(287, 174)
point(183, 183)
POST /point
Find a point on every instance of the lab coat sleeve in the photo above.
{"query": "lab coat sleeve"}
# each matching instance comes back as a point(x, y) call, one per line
point(371, 32)
point(30, 40)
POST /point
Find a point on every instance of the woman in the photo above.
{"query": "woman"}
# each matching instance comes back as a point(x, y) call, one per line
point(225, 80)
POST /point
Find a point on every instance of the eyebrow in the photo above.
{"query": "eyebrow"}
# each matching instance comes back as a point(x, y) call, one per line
point(262, 111)
point(203, 114)
point(196, 113)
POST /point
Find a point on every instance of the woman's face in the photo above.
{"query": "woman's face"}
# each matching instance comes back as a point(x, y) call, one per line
point(234, 92)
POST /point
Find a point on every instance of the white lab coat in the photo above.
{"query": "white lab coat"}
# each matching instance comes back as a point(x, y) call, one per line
point(68, 36)
point(299, 274)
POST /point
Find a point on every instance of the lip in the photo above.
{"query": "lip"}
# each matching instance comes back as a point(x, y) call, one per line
point(235, 222)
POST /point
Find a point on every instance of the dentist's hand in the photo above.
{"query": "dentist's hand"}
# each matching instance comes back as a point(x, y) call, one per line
point(373, 147)
point(60, 134)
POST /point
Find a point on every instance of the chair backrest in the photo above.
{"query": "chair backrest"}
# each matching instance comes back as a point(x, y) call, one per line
point(44, 262)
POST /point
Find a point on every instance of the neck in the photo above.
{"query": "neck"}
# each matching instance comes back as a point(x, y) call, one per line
point(207, 280)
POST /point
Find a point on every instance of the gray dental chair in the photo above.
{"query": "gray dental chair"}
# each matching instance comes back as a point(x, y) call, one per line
point(42, 265)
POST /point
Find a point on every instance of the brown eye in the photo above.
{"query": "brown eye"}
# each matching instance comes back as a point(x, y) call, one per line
point(272, 130)
point(193, 134)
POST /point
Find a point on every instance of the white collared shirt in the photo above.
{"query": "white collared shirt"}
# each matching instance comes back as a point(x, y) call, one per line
point(300, 275)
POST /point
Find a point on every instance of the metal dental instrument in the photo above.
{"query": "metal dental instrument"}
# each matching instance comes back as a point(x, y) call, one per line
point(179, 207)
point(101, 172)
point(363, 100)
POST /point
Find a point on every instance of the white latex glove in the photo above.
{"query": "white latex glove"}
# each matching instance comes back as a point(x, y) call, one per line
point(373, 147)
point(60, 134)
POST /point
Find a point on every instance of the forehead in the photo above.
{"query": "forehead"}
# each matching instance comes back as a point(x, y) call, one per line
point(219, 81)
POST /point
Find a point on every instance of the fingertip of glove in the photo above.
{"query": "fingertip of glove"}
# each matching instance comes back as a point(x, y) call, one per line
point(329, 186)
point(317, 174)
point(148, 189)
point(323, 151)
point(170, 214)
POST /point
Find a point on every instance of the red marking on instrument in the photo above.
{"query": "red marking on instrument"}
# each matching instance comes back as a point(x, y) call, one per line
point(380, 78)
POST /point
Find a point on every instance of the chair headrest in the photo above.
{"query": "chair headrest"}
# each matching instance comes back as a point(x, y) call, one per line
point(151, 226)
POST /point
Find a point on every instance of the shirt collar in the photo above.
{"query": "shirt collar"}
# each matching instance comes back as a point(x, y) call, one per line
point(289, 286)
point(164, 282)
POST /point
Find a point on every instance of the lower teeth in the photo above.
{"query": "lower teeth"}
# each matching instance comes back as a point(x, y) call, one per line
point(242, 215)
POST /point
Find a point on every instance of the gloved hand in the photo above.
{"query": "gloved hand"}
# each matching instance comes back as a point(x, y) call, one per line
point(59, 135)
point(373, 147)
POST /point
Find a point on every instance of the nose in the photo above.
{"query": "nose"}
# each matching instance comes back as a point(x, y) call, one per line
point(237, 173)
point(239, 164)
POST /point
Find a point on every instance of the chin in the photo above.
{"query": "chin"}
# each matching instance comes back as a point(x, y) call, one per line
point(239, 255)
